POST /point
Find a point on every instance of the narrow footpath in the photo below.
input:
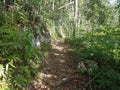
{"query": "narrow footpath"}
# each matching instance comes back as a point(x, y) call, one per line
point(59, 73)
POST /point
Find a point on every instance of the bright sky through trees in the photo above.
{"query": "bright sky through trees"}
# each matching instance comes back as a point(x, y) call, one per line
point(112, 1)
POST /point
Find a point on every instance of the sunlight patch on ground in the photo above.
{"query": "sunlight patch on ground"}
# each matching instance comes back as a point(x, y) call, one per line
point(58, 47)
point(41, 85)
point(62, 61)
point(43, 75)
point(57, 54)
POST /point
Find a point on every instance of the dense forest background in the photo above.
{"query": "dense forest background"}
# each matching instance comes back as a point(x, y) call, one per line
point(91, 27)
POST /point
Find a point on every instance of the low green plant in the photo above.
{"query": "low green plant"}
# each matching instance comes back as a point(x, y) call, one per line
point(18, 62)
point(103, 47)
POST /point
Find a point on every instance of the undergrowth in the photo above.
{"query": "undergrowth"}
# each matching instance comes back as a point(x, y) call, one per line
point(98, 54)
point(18, 59)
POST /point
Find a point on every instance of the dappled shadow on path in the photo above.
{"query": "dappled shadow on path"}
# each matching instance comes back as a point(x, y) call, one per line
point(58, 72)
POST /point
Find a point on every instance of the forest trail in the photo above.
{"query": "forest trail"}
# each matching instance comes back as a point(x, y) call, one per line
point(59, 73)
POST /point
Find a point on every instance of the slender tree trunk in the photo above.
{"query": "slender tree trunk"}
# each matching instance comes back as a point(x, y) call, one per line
point(118, 1)
point(119, 18)
point(75, 17)
point(1, 4)
point(54, 24)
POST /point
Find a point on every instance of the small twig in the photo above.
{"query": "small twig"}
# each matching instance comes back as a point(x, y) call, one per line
point(90, 84)
point(92, 80)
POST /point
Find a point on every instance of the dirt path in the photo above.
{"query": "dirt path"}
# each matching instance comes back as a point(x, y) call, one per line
point(59, 72)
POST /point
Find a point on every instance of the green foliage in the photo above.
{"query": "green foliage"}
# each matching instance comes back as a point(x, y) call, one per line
point(2, 18)
point(109, 79)
point(17, 58)
point(102, 47)
point(45, 47)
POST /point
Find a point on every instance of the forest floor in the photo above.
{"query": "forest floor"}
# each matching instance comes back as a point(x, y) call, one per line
point(59, 72)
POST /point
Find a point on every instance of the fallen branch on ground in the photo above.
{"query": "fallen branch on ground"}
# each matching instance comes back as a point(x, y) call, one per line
point(91, 80)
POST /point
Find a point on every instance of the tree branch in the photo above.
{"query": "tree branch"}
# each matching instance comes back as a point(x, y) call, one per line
point(92, 80)
point(66, 5)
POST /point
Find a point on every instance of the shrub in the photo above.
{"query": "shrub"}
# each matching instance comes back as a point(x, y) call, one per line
point(18, 58)
point(103, 47)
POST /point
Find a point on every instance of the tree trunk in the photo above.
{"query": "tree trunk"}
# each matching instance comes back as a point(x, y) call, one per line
point(118, 1)
point(75, 17)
